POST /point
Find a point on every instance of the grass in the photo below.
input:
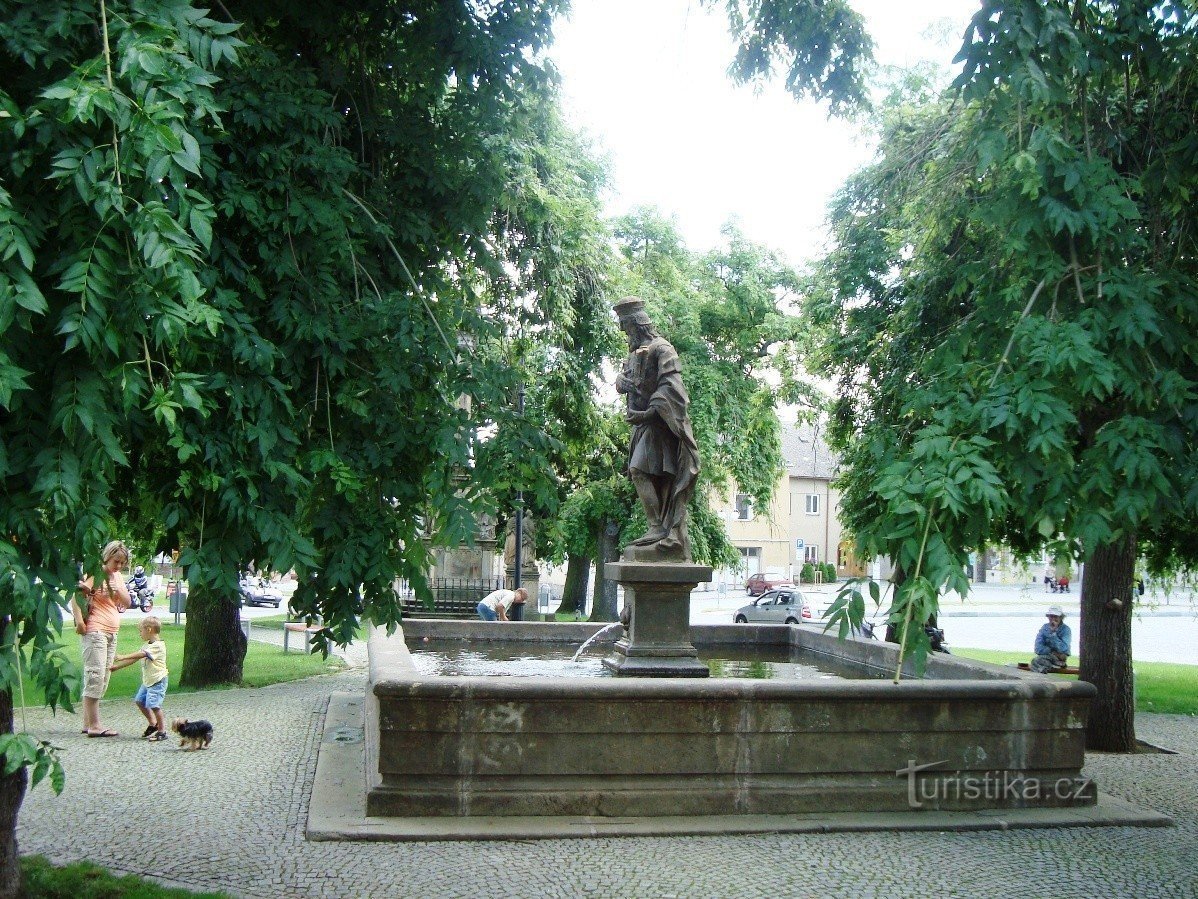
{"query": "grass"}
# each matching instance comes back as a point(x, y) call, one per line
point(276, 622)
point(83, 880)
point(567, 616)
point(1163, 687)
point(264, 664)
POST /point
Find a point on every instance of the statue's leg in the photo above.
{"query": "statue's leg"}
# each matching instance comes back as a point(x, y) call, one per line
point(647, 491)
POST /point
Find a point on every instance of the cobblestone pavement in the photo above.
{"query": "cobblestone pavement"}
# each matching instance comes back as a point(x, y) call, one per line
point(232, 818)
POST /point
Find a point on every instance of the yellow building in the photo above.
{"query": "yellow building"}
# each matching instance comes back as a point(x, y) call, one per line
point(802, 522)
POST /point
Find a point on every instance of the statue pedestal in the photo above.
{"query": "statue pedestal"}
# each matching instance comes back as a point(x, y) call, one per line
point(657, 598)
point(530, 580)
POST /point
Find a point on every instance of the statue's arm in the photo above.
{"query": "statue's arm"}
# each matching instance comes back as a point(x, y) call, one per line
point(639, 418)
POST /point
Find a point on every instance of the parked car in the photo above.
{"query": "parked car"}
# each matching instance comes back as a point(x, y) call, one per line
point(259, 592)
point(783, 606)
point(759, 583)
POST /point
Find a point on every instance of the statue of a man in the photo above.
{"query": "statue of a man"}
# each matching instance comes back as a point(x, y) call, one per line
point(663, 459)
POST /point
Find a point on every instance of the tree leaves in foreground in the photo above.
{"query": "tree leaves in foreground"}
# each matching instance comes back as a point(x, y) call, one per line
point(1010, 314)
point(243, 298)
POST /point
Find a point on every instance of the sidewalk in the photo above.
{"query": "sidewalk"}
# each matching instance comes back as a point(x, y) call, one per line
point(232, 819)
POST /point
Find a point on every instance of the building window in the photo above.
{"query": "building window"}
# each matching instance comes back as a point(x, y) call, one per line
point(811, 554)
point(812, 503)
point(744, 508)
point(750, 559)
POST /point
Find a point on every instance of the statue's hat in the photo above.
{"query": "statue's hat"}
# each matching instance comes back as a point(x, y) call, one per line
point(629, 306)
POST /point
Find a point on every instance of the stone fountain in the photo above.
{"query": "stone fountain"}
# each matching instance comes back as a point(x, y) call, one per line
point(662, 747)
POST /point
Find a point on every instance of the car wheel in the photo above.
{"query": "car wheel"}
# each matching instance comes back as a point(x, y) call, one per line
point(741, 619)
point(277, 603)
point(791, 621)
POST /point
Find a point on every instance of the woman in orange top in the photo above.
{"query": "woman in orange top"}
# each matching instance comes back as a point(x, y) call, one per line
point(98, 627)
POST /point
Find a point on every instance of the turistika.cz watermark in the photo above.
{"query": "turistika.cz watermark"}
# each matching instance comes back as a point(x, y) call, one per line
point(939, 787)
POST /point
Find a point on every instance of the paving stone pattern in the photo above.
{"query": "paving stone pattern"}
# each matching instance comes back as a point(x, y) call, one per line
point(232, 818)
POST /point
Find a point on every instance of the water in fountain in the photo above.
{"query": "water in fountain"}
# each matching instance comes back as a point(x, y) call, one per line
point(595, 636)
point(458, 658)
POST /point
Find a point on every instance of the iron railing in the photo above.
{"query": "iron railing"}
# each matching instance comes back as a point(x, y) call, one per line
point(452, 597)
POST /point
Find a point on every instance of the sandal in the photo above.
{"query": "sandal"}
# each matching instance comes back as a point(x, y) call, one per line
point(103, 733)
point(156, 736)
point(149, 730)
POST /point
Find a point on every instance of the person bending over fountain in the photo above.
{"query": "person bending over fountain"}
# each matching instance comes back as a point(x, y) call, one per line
point(663, 458)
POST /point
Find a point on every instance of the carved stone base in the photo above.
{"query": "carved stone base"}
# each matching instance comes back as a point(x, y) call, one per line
point(654, 553)
point(657, 599)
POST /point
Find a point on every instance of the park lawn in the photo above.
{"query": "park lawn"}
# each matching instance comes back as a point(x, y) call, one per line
point(264, 664)
point(83, 880)
point(1162, 687)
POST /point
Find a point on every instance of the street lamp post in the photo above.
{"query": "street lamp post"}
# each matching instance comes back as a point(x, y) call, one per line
point(519, 557)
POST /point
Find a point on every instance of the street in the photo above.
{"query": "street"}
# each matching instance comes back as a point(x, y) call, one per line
point(1007, 616)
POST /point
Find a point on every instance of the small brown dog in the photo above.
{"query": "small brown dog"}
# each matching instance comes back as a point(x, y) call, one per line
point(193, 734)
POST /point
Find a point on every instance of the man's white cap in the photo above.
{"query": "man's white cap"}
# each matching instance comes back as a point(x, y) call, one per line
point(1055, 610)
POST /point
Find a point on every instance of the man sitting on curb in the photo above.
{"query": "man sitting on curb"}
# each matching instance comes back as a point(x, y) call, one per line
point(1052, 643)
point(496, 605)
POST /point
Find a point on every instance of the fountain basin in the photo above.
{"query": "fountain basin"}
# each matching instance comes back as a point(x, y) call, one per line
point(653, 747)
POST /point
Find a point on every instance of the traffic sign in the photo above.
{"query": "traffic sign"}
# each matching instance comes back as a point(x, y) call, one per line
point(799, 544)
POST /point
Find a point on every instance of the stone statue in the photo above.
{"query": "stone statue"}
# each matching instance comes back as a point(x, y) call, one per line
point(528, 554)
point(663, 459)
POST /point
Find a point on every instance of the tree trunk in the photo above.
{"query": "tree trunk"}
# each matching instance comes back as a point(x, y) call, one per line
point(603, 605)
point(1104, 645)
point(979, 567)
point(12, 793)
point(578, 573)
point(214, 646)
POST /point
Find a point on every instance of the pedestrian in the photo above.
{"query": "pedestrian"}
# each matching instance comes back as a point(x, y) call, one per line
point(495, 605)
point(1052, 642)
point(152, 692)
point(97, 614)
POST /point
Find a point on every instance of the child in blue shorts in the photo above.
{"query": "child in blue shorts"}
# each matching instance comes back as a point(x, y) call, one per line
point(152, 691)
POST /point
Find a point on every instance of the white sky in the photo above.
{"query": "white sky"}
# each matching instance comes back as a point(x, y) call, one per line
point(646, 79)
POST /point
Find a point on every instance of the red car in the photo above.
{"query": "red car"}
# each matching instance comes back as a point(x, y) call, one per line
point(759, 583)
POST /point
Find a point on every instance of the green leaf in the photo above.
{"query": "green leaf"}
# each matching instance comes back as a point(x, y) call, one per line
point(201, 227)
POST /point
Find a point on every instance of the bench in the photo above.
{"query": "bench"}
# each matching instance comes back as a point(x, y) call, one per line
point(1068, 669)
point(298, 627)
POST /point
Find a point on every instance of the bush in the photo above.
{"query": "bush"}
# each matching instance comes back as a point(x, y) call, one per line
point(807, 573)
point(829, 573)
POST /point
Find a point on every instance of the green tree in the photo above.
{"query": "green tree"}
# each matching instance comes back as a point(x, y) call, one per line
point(552, 303)
point(243, 298)
point(593, 523)
point(1009, 312)
point(820, 45)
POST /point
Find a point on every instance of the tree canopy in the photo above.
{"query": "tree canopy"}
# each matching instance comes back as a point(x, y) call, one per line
point(1009, 312)
point(236, 264)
